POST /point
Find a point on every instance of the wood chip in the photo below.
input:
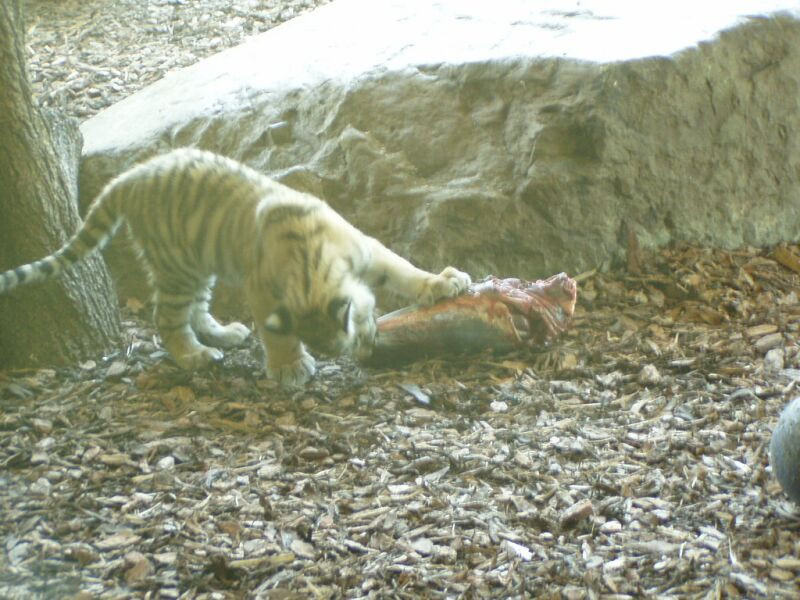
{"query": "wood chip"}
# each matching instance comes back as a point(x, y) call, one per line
point(576, 513)
point(787, 258)
point(773, 340)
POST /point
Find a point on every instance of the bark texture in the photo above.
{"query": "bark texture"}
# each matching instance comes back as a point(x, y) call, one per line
point(75, 316)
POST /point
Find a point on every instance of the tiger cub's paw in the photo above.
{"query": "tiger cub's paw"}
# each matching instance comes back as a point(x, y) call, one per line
point(198, 357)
point(230, 335)
point(447, 284)
point(295, 373)
point(364, 338)
point(213, 333)
point(362, 321)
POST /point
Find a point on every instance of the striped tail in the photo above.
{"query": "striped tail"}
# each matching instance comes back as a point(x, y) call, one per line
point(100, 226)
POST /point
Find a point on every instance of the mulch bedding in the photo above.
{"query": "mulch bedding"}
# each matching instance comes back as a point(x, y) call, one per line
point(84, 55)
point(629, 459)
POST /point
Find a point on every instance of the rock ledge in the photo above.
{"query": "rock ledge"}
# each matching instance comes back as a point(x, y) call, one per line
point(498, 138)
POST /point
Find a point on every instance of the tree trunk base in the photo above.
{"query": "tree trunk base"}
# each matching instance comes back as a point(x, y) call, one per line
point(72, 317)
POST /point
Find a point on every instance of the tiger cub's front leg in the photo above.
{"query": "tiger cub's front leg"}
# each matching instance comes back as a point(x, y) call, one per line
point(449, 283)
point(286, 360)
point(402, 277)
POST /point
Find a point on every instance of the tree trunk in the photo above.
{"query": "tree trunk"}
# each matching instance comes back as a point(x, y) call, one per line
point(75, 316)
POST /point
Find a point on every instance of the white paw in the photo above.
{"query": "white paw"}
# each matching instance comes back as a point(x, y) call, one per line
point(230, 335)
point(293, 374)
point(199, 357)
point(362, 319)
point(447, 284)
point(364, 337)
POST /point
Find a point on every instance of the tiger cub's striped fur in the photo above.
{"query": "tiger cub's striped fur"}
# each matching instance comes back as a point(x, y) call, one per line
point(307, 273)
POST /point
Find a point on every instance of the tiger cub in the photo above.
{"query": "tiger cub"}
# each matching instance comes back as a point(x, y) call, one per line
point(307, 274)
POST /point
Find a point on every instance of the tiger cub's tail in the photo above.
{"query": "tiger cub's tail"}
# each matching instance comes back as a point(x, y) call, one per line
point(97, 230)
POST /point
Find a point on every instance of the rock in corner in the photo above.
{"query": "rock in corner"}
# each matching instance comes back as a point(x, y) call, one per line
point(511, 137)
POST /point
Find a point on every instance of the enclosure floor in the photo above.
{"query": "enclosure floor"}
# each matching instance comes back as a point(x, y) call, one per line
point(629, 459)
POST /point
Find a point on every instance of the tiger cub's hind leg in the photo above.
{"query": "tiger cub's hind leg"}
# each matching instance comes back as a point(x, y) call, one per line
point(208, 329)
point(172, 316)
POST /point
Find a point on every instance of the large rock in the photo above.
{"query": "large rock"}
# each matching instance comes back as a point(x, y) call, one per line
point(500, 137)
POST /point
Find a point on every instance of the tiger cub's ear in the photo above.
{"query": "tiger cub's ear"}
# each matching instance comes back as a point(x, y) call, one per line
point(280, 321)
point(339, 310)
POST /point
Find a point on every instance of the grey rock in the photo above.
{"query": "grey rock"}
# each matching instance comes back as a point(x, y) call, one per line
point(774, 359)
point(784, 450)
point(40, 487)
point(167, 463)
point(509, 138)
point(649, 375)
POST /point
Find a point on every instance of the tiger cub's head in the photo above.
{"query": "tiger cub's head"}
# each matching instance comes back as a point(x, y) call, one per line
point(340, 322)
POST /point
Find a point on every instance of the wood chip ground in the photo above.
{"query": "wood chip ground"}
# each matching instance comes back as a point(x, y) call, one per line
point(629, 460)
